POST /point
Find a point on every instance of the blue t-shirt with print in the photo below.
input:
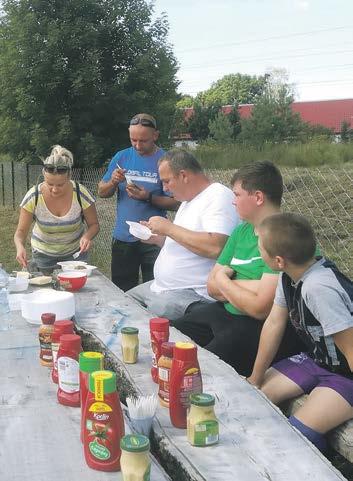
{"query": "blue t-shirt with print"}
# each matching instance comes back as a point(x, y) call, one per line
point(143, 171)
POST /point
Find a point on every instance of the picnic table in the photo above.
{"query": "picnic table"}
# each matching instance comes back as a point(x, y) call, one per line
point(39, 438)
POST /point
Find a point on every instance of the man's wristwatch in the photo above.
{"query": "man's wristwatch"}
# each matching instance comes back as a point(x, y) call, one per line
point(149, 198)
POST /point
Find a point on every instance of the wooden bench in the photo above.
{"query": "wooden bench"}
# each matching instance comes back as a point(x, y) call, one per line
point(256, 440)
point(40, 439)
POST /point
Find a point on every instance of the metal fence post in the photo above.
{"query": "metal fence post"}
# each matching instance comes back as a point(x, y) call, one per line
point(13, 184)
point(3, 184)
point(27, 176)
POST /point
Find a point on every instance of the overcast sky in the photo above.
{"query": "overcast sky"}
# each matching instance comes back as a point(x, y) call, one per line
point(311, 39)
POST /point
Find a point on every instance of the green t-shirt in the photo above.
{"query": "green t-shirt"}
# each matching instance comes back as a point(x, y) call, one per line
point(242, 254)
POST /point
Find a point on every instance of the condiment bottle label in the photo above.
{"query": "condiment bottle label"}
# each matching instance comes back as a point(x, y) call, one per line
point(191, 384)
point(99, 407)
point(69, 378)
point(206, 433)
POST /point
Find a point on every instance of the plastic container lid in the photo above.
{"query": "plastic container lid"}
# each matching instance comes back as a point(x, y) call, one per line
point(167, 349)
point(70, 341)
point(62, 327)
point(129, 330)
point(159, 324)
point(90, 361)
point(185, 351)
point(48, 318)
point(202, 399)
point(135, 443)
point(107, 380)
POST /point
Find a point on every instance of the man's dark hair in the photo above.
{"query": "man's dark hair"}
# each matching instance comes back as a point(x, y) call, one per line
point(179, 159)
point(289, 236)
point(263, 176)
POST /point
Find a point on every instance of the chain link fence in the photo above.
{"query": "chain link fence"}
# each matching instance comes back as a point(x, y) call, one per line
point(323, 195)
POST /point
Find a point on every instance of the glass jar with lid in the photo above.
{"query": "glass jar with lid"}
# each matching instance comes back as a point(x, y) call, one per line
point(135, 462)
point(202, 423)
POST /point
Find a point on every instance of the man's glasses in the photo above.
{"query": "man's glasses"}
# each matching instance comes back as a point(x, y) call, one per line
point(54, 169)
point(143, 121)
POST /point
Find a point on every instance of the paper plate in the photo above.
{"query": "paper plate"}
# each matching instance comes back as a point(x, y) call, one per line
point(138, 230)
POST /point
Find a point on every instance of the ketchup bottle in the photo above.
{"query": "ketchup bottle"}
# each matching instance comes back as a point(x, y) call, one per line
point(68, 370)
point(88, 362)
point(185, 379)
point(159, 329)
point(103, 423)
point(60, 328)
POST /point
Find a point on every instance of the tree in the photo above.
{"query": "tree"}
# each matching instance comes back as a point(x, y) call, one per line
point(198, 125)
point(75, 71)
point(185, 101)
point(233, 88)
point(272, 118)
point(220, 129)
point(346, 132)
point(225, 127)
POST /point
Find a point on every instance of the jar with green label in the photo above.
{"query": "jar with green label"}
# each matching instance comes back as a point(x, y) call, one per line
point(135, 462)
point(202, 424)
point(129, 344)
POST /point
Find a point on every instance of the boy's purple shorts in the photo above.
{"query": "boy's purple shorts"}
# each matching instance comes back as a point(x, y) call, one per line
point(302, 370)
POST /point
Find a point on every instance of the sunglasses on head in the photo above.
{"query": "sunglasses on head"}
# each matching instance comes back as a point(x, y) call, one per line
point(143, 121)
point(53, 169)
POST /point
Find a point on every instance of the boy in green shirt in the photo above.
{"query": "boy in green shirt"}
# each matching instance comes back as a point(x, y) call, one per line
point(241, 282)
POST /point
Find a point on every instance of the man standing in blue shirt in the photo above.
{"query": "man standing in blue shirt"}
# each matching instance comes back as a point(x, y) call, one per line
point(133, 175)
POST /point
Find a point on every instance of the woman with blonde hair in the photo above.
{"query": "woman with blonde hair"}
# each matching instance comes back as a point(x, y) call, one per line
point(60, 208)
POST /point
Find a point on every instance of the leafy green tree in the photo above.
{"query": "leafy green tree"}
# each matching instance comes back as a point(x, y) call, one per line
point(233, 88)
point(221, 129)
point(185, 102)
point(198, 125)
point(272, 119)
point(75, 71)
point(346, 132)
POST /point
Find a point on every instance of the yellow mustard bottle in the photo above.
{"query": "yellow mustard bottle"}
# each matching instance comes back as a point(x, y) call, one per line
point(129, 344)
point(202, 423)
point(135, 462)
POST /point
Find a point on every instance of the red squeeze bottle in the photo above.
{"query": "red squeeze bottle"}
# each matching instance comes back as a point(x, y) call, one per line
point(103, 423)
point(60, 328)
point(88, 362)
point(68, 370)
point(185, 379)
point(159, 329)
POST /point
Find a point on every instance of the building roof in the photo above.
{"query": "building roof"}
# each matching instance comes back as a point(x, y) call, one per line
point(329, 113)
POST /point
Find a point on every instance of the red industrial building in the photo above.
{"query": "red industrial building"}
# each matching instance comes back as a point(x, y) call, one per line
point(329, 113)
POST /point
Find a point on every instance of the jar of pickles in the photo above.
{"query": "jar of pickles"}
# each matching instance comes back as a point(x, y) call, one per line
point(202, 423)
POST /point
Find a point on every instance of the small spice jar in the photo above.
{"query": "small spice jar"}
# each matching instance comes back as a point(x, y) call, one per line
point(45, 339)
point(129, 344)
point(202, 424)
point(135, 462)
point(164, 366)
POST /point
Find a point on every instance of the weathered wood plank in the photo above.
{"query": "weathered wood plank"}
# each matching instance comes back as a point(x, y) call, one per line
point(39, 438)
point(257, 442)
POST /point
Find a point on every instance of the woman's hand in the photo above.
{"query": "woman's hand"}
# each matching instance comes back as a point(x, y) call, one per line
point(21, 256)
point(85, 244)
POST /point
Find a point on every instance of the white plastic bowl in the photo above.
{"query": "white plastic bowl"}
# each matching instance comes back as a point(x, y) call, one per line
point(138, 230)
point(87, 269)
point(72, 263)
point(61, 303)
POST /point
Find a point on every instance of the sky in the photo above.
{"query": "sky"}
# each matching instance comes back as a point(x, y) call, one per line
point(311, 39)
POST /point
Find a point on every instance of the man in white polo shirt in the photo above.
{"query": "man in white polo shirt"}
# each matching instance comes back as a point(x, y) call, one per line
point(191, 243)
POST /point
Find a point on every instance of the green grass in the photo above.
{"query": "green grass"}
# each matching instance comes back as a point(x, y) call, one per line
point(9, 219)
point(311, 154)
